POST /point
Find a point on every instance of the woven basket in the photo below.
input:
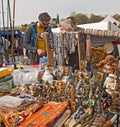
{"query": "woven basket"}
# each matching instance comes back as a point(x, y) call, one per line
point(108, 47)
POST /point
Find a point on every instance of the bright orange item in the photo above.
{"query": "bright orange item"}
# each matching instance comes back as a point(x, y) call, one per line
point(6, 71)
point(46, 116)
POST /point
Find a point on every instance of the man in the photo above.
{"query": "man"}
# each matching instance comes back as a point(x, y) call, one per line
point(73, 22)
point(34, 41)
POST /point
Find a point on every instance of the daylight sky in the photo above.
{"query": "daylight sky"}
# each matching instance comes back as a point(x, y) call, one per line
point(27, 11)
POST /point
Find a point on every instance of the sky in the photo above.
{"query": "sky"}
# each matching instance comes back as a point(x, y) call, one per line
point(27, 11)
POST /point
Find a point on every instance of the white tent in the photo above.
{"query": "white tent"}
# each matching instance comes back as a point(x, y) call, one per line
point(109, 18)
point(56, 30)
point(106, 24)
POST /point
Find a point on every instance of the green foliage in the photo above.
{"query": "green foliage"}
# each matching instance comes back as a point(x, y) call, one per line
point(95, 18)
point(81, 18)
point(23, 27)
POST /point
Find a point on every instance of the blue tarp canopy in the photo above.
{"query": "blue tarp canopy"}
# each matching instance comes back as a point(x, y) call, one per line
point(9, 32)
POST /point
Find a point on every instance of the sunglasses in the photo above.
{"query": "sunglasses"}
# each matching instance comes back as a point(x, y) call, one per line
point(45, 23)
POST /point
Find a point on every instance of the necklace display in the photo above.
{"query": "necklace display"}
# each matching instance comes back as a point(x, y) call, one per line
point(63, 44)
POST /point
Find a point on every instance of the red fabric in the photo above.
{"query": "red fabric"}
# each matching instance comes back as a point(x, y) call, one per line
point(116, 42)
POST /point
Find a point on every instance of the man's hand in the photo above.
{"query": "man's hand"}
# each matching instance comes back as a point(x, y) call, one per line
point(40, 52)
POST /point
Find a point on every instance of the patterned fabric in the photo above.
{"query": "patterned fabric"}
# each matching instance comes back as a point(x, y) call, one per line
point(46, 116)
point(13, 117)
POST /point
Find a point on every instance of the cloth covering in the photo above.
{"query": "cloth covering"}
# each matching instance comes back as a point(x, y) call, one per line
point(47, 115)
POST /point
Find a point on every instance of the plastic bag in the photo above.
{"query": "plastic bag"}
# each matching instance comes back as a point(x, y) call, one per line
point(25, 76)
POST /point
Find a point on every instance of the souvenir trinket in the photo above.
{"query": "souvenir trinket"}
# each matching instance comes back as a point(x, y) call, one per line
point(47, 77)
point(111, 82)
point(98, 120)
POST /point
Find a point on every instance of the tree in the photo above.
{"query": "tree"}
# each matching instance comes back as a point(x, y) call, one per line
point(95, 18)
point(117, 17)
point(81, 18)
point(23, 27)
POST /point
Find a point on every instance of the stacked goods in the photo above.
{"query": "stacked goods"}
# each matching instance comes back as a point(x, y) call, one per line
point(6, 79)
point(4, 71)
point(102, 33)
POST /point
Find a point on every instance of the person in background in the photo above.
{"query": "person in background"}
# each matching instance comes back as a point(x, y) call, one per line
point(74, 24)
point(65, 26)
point(33, 41)
point(74, 57)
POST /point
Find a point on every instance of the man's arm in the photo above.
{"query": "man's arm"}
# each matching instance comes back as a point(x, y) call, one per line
point(27, 40)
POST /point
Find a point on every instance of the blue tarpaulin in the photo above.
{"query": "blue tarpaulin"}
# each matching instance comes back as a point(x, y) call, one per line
point(9, 32)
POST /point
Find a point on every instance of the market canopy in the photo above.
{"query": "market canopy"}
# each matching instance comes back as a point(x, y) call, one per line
point(109, 18)
point(9, 32)
point(106, 24)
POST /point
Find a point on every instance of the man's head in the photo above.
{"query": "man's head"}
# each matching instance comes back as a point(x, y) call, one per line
point(72, 20)
point(44, 19)
point(74, 23)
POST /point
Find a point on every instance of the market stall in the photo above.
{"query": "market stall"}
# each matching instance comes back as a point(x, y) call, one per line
point(62, 97)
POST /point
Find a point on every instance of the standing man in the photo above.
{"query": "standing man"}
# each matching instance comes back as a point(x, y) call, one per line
point(74, 24)
point(34, 42)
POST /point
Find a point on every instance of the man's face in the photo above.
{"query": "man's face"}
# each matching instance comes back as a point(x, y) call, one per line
point(43, 24)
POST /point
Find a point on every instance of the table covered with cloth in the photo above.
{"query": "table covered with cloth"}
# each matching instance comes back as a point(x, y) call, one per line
point(13, 117)
point(46, 116)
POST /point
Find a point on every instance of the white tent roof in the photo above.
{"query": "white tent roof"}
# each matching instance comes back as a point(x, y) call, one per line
point(106, 24)
point(100, 25)
point(109, 18)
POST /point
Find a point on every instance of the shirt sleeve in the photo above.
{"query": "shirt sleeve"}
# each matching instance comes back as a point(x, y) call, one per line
point(27, 40)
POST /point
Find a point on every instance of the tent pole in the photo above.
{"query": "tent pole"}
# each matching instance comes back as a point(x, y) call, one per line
point(4, 43)
point(3, 15)
point(9, 13)
point(12, 46)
